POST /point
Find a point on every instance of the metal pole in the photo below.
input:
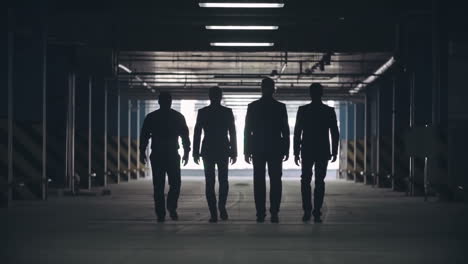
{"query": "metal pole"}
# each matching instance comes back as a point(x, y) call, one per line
point(118, 132)
point(129, 139)
point(10, 106)
point(105, 134)
point(44, 111)
point(90, 97)
point(138, 107)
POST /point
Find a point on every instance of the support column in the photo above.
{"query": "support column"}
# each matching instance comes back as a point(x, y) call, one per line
point(143, 112)
point(29, 130)
point(105, 171)
point(393, 132)
point(350, 137)
point(44, 108)
point(138, 116)
point(90, 97)
point(118, 133)
point(366, 141)
point(400, 127)
point(343, 140)
point(372, 131)
point(385, 133)
point(70, 135)
point(129, 140)
point(359, 138)
point(355, 172)
point(10, 107)
point(411, 178)
point(438, 160)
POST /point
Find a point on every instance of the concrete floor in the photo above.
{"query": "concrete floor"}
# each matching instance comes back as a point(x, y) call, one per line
point(361, 225)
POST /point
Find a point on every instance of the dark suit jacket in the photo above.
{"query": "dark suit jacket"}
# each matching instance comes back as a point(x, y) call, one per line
point(314, 123)
point(266, 128)
point(164, 127)
point(216, 122)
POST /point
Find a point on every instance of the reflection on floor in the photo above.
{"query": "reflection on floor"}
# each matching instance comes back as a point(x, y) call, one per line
point(361, 225)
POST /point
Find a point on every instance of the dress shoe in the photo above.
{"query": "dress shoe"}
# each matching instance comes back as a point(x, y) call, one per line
point(274, 218)
point(223, 215)
point(317, 216)
point(174, 216)
point(306, 217)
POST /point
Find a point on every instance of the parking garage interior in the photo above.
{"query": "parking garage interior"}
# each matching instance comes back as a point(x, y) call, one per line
point(79, 79)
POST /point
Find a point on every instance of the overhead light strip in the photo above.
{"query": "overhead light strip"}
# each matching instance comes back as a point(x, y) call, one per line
point(241, 5)
point(136, 77)
point(242, 44)
point(242, 27)
point(125, 68)
point(374, 76)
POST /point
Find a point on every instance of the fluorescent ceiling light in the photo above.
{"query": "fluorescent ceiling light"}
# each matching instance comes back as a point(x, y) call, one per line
point(125, 68)
point(242, 5)
point(374, 77)
point(242, 44)
point(242, 27)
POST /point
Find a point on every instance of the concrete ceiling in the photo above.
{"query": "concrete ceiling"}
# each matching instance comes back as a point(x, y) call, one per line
point(192, 73)
point(166, 45)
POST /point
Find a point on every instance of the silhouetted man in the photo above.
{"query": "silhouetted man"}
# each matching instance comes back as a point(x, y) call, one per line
point(314, 124)
point(164, 126)
point(217, 122)
point(266, 141)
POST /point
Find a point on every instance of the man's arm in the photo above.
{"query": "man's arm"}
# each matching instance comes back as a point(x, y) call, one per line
point(298, 128)
point(184, 134)
point(232, 135)
point(335, 134)
point(248, 135)
point(285, 132)
point(197, 138)
point(145, 135)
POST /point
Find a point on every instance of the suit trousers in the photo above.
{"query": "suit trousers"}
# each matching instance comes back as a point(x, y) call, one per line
point(275, 167)
point(210, 179)
point(161, 165)
point(319, 190)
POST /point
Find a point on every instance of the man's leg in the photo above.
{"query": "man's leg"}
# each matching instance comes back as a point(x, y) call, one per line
point(223, 166)
point(173, 175)
point(306, 189)
point(259, 164)
point(209, 166)
point(275, 171)
point(159, 182)
point(319, 190)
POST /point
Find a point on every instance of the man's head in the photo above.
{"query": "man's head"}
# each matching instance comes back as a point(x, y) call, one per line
point(316, 91)
point(165, 100)
point(268, 87)
point(216, 94)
